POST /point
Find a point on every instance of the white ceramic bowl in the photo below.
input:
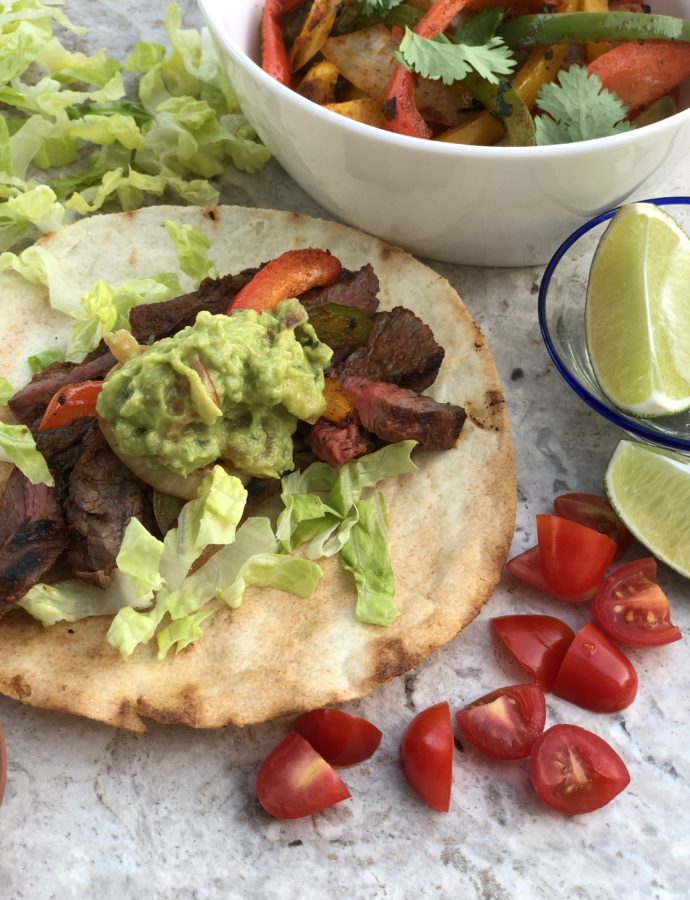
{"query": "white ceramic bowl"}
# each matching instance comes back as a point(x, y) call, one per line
point(489, 206)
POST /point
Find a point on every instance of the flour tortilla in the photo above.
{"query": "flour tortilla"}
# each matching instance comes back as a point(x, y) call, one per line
point(450, 523)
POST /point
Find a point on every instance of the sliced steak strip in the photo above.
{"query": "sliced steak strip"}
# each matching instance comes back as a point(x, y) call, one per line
point(358, 289)
point(61, 448)
point(153, 321)
point(32, 536)
point(30, 402)
point(396, 414)
point(401, 349)
point(103, 497)
point(338, 442)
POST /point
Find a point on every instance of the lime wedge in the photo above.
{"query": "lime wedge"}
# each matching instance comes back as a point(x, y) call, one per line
point(638, 313)
point(650, 490)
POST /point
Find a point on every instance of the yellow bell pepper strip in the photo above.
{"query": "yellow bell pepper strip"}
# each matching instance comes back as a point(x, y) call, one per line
point(319, 83)
point(641, 73)
point(594, 49)
point(542, 67)
point(360, 109)
point(314, 33)
point(288, 275)
point(399, 107)
point(580, 27)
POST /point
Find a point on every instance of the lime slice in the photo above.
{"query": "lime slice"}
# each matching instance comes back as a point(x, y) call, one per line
point(638, 315)
point(650, 490)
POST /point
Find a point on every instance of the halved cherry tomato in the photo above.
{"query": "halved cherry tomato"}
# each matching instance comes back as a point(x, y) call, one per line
point(595, 674)
point(427, 755)
point(575, 771)
point(342, 739)
point(294, 781)
point(3, 764)
point(288, 275)
point(73, 401)
point(539, 644)
point(597, 513)
point(631, 607)
point(506, 722)
point(573, 558)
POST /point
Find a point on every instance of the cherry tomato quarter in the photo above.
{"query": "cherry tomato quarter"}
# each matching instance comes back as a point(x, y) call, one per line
point(575, 771)
point(595, 674)
point(505, 723)
point(574, 558)
point(527, 567)
point(342, 739)
point(294, 781)
point(427, 755)
point(630, 607)
point(539, 644)
point(3, 765)
point(595, 512)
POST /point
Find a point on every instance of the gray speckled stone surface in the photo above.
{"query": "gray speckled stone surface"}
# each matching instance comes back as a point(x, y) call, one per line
point(92, 812)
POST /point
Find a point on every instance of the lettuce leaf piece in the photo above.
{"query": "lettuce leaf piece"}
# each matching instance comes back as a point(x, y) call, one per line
point(140, 557)
point(145, 56)
point(358, 474)
point(98, 69)
point(18, 446)
point(192, 249)
point(40, 361)
point(366, 556)
point(106, 130)
point(6, 391)
point(39, 266)
point(243, 146)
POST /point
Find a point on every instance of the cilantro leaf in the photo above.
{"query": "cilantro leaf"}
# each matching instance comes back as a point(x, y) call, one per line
point(377, 7)
point(579, 108)
point(441, 60)
point(480, 28)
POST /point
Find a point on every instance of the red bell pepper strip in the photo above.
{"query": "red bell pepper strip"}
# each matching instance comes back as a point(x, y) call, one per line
point(399, 107)
point(274, 57)
point(640, 73)
point(289, 275)
point(74, 401)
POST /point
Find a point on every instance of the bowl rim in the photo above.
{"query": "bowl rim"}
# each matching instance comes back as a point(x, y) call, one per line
point(657, 130)
point(630, 424)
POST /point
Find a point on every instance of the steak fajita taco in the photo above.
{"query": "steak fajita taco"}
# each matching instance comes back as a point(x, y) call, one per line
point(260, 491)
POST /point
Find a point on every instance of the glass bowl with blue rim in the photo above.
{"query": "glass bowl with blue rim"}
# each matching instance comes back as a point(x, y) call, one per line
point(562, 297)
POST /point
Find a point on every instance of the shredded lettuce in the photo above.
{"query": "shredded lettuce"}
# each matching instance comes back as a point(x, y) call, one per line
point(18, 446)
point(6, 391)
point(192, 251)
point(40, 361)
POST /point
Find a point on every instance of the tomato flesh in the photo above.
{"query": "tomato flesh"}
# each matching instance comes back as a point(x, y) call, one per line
point(3, 764)
point(574, 558)
point(631, 608)
point(595, 674)
point(342, 739)
point(595, 512)
point(539, 644)
point(575, 771)
point(295, 781)
point(427, 755)
point(505, 723)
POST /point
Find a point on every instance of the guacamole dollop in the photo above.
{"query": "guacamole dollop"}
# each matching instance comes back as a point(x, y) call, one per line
point(227, 387)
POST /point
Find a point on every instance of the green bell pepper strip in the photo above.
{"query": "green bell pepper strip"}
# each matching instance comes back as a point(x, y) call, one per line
point(506, 105)
point(577, 28)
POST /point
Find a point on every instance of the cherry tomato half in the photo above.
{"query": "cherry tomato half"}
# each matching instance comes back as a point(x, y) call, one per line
point(595, 674)
point(539, 644)
point(573, 558)
point(575, 771)
point(342, 739)
point(427, 755)
point(3, 764)
point(505, 723)
point(595, 512)
point(294, 781)
point(631, 607)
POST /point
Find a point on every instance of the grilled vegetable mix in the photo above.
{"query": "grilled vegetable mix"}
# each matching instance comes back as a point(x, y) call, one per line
point(477, 72)
point(571, 769)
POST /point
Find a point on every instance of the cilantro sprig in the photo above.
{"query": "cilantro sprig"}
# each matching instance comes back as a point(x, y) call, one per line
point(443, 60)
point(578, 108)
point(377, 7)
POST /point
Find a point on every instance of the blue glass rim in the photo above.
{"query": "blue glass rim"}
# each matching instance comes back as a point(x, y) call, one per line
point(627, 423)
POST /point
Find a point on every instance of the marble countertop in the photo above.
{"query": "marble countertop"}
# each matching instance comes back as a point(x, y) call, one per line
point(91, 811)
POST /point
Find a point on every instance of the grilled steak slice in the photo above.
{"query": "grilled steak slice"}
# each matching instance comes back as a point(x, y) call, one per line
point(103, 497)
point(338, 442)
point(32, 536)
point(401, 349)
point(61, 448)
point(396, 414)
point(153, 321)
point(358, 288)
point(30, 402)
